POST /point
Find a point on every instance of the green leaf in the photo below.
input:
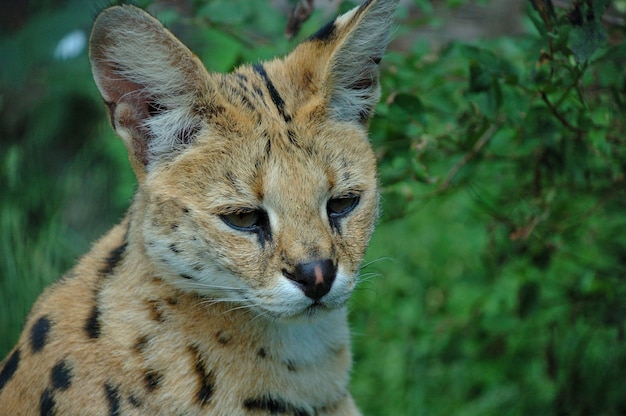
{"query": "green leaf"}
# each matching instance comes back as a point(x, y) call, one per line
point(168, 16)
point(538, 23)
point(220, 52)
point(226, 11)
point(585, 40)
point(613, 53)
point(419, 170)
point(412, 106)
point(485, 65)
point(479, 79)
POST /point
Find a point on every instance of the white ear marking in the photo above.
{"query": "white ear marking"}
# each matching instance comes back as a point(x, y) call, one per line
point(354, 65)
point(149, 81)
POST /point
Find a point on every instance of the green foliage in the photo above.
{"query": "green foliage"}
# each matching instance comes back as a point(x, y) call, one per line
point(55, 163)
point(504, 197)
point(495, 281)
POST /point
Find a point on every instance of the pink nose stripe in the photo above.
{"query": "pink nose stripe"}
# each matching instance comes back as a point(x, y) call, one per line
point(319, 277)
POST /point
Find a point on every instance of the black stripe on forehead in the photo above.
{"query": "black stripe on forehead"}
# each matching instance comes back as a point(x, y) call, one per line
point(274, 95)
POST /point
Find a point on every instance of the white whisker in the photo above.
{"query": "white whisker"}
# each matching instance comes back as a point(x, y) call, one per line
point(369, 263)
point(366, 277)
point(202, 285)
point(236, 308)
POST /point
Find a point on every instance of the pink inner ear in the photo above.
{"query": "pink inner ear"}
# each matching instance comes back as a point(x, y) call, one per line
point(129, 106)
point(129, 114)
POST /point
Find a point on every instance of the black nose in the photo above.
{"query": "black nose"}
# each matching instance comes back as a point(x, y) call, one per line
point(314, 278)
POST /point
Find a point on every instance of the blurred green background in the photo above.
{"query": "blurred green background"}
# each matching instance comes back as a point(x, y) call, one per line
point(496, 281)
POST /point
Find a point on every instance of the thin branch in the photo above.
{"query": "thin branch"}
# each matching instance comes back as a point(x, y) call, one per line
point(558, 115)
point(480, 143)
point(299, 14)
point(610, 19)
point(595, 208)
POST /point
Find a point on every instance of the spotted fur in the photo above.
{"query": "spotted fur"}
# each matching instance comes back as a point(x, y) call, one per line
point(223, 291)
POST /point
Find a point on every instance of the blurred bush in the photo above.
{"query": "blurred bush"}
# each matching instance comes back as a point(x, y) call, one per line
point(495, 283)
point(502, 164)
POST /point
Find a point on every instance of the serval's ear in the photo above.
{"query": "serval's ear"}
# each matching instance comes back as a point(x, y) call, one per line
point(354, 44)
point(154, 87)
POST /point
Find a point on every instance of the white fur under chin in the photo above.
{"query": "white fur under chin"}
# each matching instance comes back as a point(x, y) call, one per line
point(307, 341)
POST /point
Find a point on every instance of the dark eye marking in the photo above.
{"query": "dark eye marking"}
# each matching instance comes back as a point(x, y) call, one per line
point(244, 220)
point(342, 206)
point(339, 207)
point(249, 220)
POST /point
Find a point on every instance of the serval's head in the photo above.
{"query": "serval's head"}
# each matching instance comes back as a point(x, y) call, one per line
point(257, 187)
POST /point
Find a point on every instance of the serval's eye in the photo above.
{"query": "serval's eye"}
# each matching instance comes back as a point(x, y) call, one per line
point(248, 220)
point(339, 207)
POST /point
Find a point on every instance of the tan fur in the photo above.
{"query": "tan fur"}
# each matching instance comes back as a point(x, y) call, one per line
point(175, 311)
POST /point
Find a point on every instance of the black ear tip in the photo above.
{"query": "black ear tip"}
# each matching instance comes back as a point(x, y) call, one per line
point(325, 33)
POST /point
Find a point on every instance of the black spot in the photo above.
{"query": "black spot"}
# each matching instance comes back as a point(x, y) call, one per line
point(186, 276)
point(325, 33)
point(61, 376)
point(291, 366)
point(222, 338)
point(156, 310)
point(243, 87)
point(292, 138)
point(268, 147)
point(174, 249)
point(153, 380)
point(134, 401)
point(376, 59)
point(113, 259)
point(247, 102)
point(39, 333)
point(274, 95)
point(113, 399)
point(172, 301)
point(92, 326)
point(206, 379)
point(141, 344)
point(206, 390)
point(10, 367)
point(46, 403)
point(262, 353)
point(273, 405)
point(230, 177)
point(258, 92)
point(241, 83)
